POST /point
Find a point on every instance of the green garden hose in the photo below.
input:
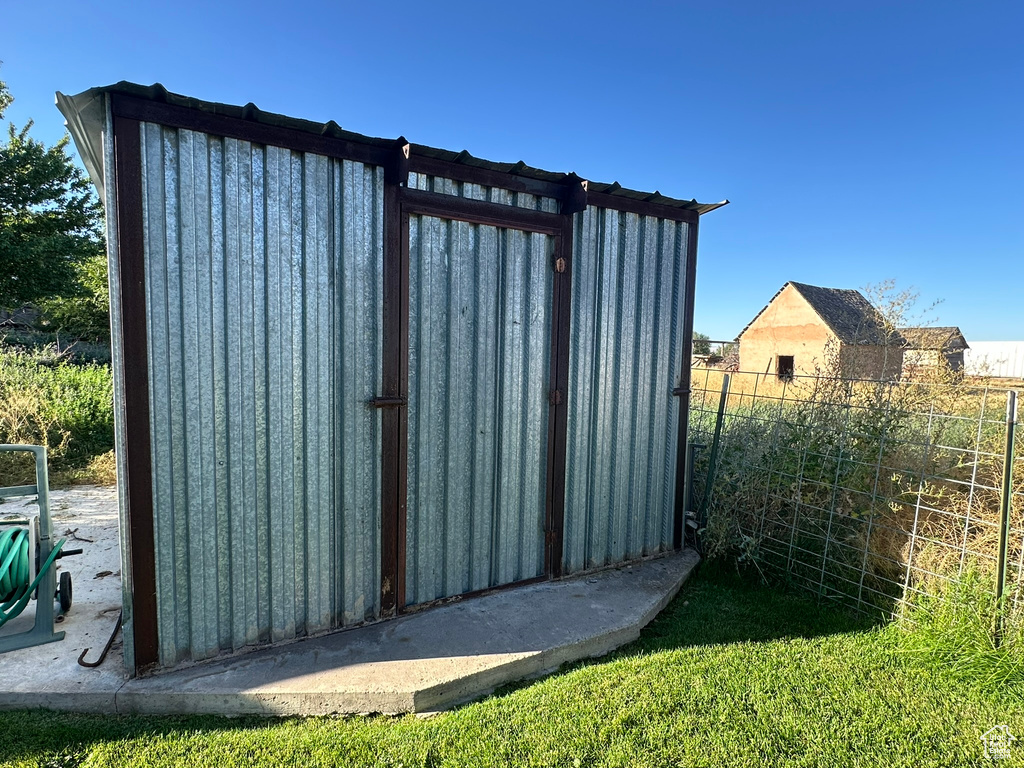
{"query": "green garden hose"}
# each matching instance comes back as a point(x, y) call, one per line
point(15, 589)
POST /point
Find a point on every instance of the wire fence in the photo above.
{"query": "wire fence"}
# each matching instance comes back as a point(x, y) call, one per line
point(861, 491)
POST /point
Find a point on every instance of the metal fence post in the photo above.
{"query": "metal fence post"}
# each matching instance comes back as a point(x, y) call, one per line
point(713, 460)
point(1004, 511)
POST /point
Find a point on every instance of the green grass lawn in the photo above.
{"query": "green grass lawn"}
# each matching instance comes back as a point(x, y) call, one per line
point(729, 674)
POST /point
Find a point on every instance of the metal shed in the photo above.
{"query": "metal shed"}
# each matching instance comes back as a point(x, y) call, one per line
point(357, 375)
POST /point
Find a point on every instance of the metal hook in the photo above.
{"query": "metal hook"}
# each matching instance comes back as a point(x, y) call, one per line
point(106, 649)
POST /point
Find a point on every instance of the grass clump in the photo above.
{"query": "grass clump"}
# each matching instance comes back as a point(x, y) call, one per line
point(100, 470)
point(836, 483)
point(951, 626)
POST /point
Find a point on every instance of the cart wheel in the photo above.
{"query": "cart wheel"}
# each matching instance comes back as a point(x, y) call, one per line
point(64, 592)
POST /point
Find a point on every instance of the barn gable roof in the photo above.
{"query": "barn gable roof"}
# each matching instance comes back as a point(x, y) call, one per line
point(946, 338)
point(845, 311)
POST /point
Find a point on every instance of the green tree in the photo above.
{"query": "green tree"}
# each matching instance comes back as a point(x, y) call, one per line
point(51, 241)
point(701, 343)
point(85, 313)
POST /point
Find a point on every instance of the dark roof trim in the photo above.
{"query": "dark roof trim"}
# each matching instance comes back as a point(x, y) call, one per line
point(156, 104)
point(641, 207)
point(257, 132)
point(434, 166)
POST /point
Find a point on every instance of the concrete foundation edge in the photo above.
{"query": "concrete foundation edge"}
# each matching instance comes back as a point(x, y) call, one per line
point(269, 703)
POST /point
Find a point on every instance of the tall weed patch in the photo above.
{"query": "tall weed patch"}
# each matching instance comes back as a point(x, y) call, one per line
point(883, 496)
point(857, 490)
point(66, 407)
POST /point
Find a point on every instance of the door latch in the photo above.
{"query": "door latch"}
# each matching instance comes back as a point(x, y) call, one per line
point(387, 402)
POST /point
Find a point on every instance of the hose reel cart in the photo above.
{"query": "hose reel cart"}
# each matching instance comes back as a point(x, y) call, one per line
point(28, 557)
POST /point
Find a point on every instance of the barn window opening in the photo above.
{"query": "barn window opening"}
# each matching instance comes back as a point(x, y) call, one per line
point(784, 367)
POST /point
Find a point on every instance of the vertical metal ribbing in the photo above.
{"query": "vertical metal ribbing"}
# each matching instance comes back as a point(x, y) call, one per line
point(264, 303)
point(643, 460)
point(629, 301)
point(688, 268)
point(486, 395)
point(580, 396)
point(480, 306)
point(676, 239)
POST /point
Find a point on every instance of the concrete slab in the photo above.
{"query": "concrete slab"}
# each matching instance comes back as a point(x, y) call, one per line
point(429, 660)
point(421, 662)
point(49, 675)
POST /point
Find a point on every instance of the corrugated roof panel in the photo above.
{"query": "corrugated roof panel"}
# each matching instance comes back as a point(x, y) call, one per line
point(85, 122)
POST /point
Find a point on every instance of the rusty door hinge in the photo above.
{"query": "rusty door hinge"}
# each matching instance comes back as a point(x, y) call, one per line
point(555, 397)
point(560, 265)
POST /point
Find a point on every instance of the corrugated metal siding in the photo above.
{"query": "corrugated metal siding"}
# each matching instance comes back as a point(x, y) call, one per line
point(995, 358)
point(263, 271)
point(443, 186)
point(626, 346)
point(479, 355)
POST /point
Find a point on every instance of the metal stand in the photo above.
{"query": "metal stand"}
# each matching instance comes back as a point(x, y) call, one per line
point(42, 630)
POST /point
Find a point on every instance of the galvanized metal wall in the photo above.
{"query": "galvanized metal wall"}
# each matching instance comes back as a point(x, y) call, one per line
point(443, 186)
point(263, 270)
point(625, 354)
point(479, 356)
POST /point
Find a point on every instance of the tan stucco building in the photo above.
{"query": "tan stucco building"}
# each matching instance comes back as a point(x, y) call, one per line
point(805, 329)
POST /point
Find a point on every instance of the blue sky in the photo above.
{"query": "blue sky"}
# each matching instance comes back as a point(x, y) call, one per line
point(858, 142)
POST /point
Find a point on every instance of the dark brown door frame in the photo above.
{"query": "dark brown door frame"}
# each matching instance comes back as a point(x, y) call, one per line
point(137, 464)
point(399, 204)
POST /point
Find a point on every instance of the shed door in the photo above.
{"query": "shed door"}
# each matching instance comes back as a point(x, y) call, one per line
point(480, 314)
